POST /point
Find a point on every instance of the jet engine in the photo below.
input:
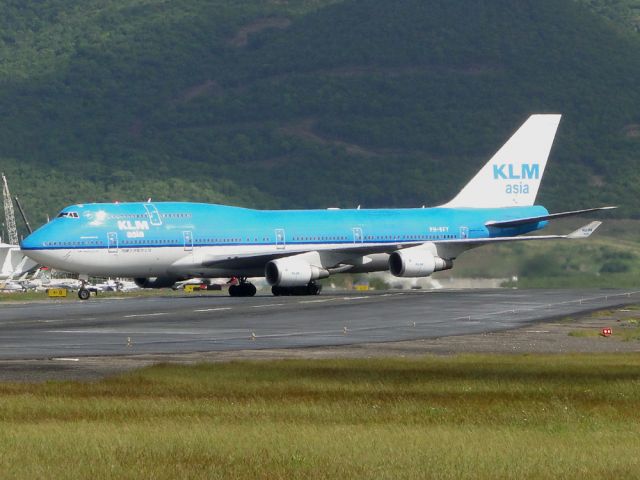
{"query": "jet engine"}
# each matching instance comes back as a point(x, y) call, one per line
point(155, 282)
point(292, 272)
point(416, 262)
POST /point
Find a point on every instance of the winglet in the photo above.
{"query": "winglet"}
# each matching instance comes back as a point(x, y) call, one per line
point(585, 231)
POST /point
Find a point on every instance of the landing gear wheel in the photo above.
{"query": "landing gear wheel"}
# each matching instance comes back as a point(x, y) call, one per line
point(84, 294)
point(313, 289)
point(243, 289)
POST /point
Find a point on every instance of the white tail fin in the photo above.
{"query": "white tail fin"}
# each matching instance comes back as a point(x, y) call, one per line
point(512, 176)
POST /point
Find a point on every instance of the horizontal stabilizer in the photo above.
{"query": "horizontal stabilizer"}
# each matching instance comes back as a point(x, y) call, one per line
point(552, 216)
point(583, 232)
point(586, 231)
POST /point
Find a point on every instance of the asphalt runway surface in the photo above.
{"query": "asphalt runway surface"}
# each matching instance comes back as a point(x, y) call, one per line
point(197, 323)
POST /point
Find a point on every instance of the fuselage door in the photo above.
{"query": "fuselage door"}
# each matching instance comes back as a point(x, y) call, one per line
point(357, 235)
point(464, 232)
point(188, 241)
point(112, 242)
point(154, 215)
point(280, 239)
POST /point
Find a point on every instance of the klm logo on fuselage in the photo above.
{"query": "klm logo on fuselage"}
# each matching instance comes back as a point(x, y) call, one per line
point(129, 225)
point(510, 171)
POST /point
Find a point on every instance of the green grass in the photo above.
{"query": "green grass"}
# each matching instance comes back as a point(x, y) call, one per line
point(628, 334)
point(624, 334)
point(585, 333)
point(73, 296)
point(452, 417)
point(626, 330)
point(22, 296)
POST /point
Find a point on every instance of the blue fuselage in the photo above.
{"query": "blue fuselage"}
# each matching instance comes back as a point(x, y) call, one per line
point(165, 224)
point(189, 228)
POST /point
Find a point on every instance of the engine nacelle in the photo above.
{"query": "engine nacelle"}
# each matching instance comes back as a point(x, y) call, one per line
point(155, 282)
point(416, 262)
point(292, 272)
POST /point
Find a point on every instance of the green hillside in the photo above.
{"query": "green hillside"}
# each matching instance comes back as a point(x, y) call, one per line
point(624, 13)
point(310, 103)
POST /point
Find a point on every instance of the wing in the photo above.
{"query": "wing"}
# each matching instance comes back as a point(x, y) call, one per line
point(260, 259)
point(450, 248)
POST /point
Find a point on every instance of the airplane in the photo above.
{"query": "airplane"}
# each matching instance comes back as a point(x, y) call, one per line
point(17, 286)
point(13, 263)
point(161, 243)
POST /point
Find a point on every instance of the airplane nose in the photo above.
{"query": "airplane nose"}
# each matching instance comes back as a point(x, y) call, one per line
point(35, 244)
point(31, 242)
point(34, 247)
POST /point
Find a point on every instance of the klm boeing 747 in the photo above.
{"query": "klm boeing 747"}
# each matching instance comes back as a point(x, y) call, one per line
point(159, 244)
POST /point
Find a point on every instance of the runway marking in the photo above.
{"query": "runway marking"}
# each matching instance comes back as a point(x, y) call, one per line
point(72, 331)
point(114, 331)
point(268, 305)
point(212, 309)
point(62, 320)
point(157, 314)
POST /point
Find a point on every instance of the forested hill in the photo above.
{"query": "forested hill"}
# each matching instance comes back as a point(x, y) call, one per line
point(310, 103)
point(624, 13)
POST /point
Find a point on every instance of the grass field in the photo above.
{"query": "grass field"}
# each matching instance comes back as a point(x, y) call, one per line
point(72, 296)
point(434, 417)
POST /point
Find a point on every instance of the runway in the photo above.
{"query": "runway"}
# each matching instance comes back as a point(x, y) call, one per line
point(164, 325)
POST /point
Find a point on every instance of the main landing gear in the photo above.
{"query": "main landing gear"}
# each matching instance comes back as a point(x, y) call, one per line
point(83, 291)
point(312, 288)
point(242, 289)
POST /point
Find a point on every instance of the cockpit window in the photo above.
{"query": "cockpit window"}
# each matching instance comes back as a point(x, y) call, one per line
point(68, 215)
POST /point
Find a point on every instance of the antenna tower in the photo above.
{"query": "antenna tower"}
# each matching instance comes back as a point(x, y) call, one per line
point(9, 215)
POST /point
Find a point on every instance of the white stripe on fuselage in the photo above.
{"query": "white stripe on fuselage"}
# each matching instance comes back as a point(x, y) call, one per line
point(157, 261)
